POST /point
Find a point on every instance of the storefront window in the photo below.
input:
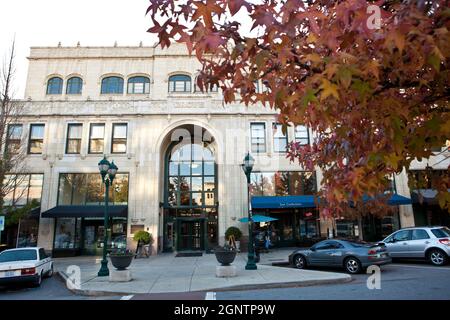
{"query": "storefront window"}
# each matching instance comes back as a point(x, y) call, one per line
point(346, 228)
point(88, 189)
point(66, 234)
point(28, 233)
point(22, 189)
point(283, 183)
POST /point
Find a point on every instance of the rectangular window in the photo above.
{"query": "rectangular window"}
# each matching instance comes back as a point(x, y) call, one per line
point(74, 133)
point(280, 140)
point(87, 189)
point(36, 140)
point(301, 135)
point(22, 189)
point(283, 183)
point(97, 138)
point(258, 137)
point(119, 138)
point(14, 138)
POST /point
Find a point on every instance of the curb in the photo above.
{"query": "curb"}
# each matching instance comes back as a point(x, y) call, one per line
point(91, 293)
point(307, 283)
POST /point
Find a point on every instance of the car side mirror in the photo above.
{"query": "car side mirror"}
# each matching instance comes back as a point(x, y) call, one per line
point(393, 240)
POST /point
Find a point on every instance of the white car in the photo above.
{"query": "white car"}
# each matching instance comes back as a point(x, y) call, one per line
point(29, 265)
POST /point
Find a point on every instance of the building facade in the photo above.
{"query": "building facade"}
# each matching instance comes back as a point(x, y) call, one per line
point(179, 152)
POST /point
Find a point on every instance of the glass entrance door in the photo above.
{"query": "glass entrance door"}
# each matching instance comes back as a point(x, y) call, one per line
point(191, 235)
point(93, 233)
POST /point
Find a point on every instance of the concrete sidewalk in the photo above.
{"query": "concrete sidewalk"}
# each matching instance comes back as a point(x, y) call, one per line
point(165, 273)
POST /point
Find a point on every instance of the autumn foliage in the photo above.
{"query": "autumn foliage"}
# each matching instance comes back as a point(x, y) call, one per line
point(377, 96)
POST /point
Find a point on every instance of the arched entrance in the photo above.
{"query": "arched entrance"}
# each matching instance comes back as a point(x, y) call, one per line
point(190, 191)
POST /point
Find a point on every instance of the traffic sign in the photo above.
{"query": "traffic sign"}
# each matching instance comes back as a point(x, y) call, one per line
point(2, 223)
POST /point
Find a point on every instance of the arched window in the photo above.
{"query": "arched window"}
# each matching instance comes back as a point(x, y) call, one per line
point(54, 85)
point(213, 88)
point(179, 83)
point(138, 85)
point(112, 85)
point(74, 85)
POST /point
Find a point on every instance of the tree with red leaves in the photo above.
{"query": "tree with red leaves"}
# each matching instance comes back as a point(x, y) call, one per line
point(371, 78)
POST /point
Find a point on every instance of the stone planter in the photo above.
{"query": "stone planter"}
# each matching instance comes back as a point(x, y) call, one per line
point(121, 262)
point(225, 258)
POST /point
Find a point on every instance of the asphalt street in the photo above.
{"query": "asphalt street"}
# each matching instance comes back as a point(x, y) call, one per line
point(405, 280)
point(399, 281)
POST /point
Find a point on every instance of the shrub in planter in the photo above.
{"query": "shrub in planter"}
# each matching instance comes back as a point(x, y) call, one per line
point(143, 238)
point(121, 259)
point(233, 231)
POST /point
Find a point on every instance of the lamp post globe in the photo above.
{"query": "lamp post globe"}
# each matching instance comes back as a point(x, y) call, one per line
point(103, 167)
point(112, 171)
point(247, 166)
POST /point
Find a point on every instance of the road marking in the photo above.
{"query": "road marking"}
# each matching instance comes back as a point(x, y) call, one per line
point(210, 296)
point(127, 297)
point(420, 267)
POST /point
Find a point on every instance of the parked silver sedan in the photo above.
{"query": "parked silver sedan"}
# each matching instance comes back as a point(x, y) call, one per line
point(351, 255)
point(431, 243)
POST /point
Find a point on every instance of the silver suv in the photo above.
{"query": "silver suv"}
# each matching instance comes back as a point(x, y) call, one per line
point(431, 243)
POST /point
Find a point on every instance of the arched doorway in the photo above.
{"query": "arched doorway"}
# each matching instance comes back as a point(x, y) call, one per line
point(190, 191)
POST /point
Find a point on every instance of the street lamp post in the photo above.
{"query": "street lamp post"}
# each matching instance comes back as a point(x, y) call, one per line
point(108, 172)
point(247, 166)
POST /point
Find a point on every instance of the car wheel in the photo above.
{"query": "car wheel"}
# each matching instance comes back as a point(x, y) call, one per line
point(352, 265)
point(38, 281)
point(299, 262)
point(50, 272)
point(437, 257)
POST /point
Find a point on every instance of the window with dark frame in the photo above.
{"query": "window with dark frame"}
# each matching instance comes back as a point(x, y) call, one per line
point(96, 138)
point(179, 83)
point(14, 138)
point(258, 137)
point(74, 134)
point(36, 140)
point(119, 138)
point(280, 140)
point(74, 85)
point(139, 85)
point(207, 89)
point(55, 85)
point(112, 85)
point(301, 135)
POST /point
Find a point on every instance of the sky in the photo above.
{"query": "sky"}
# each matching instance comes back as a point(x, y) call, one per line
point(91, 22)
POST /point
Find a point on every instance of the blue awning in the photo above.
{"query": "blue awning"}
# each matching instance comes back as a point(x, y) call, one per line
point(309, 201)
point(394, 200)
point(258, 218)
point(397, 199)
point(283, 202)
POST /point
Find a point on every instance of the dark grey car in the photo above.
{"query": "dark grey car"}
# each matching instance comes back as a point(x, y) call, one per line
point(351, 255)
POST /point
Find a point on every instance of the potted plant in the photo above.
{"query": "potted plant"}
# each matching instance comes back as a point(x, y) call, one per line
point(225, 255)
point(236, 234)
point(144, 240)
point(121, 258)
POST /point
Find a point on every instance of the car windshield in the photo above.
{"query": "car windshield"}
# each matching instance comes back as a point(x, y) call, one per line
point(18, 255)
point(441, 232)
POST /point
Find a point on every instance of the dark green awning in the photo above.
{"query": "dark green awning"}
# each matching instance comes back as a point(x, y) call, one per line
point(85, 212)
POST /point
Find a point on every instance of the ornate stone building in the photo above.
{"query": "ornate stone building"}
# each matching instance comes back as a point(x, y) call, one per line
point(179, 152)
